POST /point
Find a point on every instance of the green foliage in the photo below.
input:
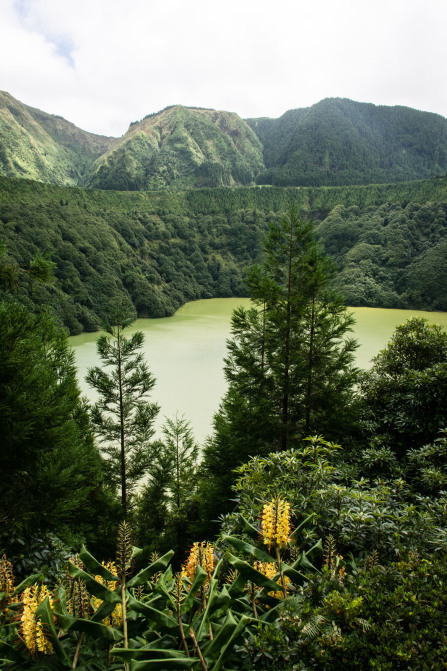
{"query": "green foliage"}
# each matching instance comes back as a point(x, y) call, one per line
point(50, 472)
point(289, 364)
point(166, 507)
point(123, 417)
point(363, 515)
point(405, 391)
point(40, 146)
point(339, 141)
point(157, 250)
point(181, 147)
point(383, 618)
point(167, 621)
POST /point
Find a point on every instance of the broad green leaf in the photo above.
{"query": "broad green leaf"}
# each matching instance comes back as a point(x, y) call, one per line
point(242, 546)
point(136, 552)
point(93, 586)
point(251, 574)
point(163, 664)
point(147, 654)
point(237, 587)
point(94, 629)
point(214, 649)
point(164, 584)
point(221, 603)
point(295, 576)
point(203, 627)
point(227, 648)
point(103, 611)
point(249, 529)
point(146, 574)
point(301, 525)
point(199, 578)
point(155, 616)
point(94, 566)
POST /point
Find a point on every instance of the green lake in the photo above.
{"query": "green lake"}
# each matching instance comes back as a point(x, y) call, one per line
point(185, 353)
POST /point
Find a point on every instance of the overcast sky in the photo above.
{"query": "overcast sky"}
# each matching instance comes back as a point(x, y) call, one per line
point(104, 63)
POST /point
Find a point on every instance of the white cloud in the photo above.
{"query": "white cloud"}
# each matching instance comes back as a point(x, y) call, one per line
point(105, 63)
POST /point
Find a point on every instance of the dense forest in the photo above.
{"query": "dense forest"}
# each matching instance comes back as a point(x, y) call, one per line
point(157, 250)
point(339, 141)
point(308, 532)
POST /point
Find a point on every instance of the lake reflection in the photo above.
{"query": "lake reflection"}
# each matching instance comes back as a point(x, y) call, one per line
point(185, 353)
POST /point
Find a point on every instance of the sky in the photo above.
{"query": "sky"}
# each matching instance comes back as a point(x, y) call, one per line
point(103, 64)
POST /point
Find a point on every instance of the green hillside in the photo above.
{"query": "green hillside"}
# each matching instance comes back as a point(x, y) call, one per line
point(339, 141)
point(335, 142)
point(157, 250)
point(181, 147)
point(43, 147)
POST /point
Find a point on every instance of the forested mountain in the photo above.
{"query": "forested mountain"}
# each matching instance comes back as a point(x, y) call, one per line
point(47, 148)
point(339, 141)
point(181, 147)
point(160, 249)
point(335, 142)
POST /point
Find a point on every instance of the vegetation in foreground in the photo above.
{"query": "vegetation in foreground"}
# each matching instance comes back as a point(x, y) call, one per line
point(332, 551)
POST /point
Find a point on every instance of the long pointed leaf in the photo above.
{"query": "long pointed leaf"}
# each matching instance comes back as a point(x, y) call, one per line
point(94, 629)
point(214, 649)
point(242, 546)
point(155, 616)
point(146, 574)
point(301, 525)
point(30, 580)
point(199, 578)
point(94, 566)
point(229, 645)
point(251, 574)
point(248, 528)
point(163, 664)
point(146, 654)
point(94, 587)
point(203, 627)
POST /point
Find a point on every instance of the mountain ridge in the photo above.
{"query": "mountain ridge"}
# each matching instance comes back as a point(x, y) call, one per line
point(335, 142)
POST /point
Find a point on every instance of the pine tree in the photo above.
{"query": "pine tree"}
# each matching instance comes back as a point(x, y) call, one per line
point(123, 417)
point(167, 501)
point(50, 471)
point(290, 360)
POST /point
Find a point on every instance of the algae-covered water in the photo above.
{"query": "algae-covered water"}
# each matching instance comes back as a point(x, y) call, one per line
point(185, 353)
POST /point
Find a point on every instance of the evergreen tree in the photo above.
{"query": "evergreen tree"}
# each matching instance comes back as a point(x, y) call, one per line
point(166, 504)
point(290, 363)
point(50, 471)
point(123, 417)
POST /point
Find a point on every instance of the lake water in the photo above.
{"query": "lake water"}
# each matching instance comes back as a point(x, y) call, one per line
point(185, 353)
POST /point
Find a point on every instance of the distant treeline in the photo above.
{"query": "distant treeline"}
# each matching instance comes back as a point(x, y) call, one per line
point(157, 250)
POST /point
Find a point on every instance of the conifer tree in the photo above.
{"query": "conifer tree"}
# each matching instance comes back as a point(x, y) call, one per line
point(50, 471)
point(123, 417)
point(166, 502)
point(290, 359)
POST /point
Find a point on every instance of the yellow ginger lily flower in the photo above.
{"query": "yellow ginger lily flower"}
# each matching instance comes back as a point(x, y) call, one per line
point(201, 554)
point(269, 569)
point(275, 527)
point(31, 626)
point(6, 576)
point(115, 618)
